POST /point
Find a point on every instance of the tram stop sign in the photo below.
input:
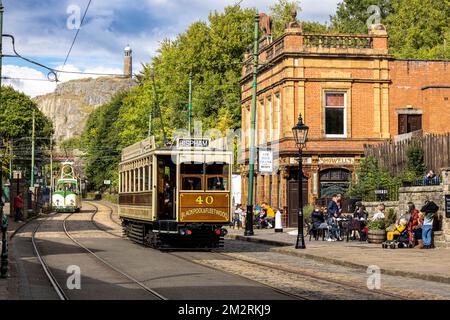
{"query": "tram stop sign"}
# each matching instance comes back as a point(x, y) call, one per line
point(265, 161)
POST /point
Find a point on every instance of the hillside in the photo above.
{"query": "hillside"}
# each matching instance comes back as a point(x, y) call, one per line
point(72, 102)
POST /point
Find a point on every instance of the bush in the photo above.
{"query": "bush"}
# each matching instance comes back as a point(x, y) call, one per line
point(376, 225)
point(415, 162)
point(307, 211)
point(113, 198)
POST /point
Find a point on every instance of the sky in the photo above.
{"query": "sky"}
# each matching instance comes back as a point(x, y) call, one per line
point(44, 30)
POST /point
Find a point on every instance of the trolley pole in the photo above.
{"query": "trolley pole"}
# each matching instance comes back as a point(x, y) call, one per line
point(190, 103)
point(3, 218)
point(251, 159)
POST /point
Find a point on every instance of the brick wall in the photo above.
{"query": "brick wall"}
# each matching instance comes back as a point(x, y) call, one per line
point(412, 84)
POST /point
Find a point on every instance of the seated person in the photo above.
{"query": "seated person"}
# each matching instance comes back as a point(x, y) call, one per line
point(380, 214)
point(360, 212)
point(398, 229)
point(270, 214)
point(317, 217)
point(430, 178)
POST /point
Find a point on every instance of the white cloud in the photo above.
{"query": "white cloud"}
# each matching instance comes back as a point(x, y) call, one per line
point(34, 83)
point(27, 80)
point(39, 27)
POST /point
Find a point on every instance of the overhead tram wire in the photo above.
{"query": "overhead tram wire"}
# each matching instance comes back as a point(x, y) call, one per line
point(76, 34)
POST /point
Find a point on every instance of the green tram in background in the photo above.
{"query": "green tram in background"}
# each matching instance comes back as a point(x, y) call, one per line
point(66, 196)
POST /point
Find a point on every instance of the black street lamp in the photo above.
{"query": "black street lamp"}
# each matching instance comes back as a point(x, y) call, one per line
point(300, 132)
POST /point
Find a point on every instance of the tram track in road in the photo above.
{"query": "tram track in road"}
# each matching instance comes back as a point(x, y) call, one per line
point(278, 290)
point(293, 272)
point(376, 293)
point(109, 265)
point(56, 285)
point(58, 289)
point(283, 292)
point(97, 225)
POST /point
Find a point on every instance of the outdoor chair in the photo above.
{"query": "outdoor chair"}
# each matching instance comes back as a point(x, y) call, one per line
point(353, 225)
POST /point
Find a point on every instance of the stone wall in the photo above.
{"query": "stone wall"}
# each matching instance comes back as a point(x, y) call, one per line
point(371, 207)
point(418, 195)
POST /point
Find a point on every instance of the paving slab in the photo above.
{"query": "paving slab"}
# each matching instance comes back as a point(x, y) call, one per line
point(431, 265)
point(9, 286)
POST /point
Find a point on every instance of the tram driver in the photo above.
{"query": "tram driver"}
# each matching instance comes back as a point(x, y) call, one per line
point(168, 199)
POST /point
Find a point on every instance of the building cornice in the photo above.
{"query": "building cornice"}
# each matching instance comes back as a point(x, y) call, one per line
point(293, 79)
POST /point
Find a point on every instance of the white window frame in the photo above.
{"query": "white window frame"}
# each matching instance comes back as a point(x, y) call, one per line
point(344, 135)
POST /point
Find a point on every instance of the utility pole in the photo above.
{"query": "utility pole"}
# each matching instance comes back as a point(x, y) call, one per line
point(10, 160)
point(3, 218)
point(150, 122)
point(32, 149)
point(51, 168)
point(251, 159)
point(190, 103)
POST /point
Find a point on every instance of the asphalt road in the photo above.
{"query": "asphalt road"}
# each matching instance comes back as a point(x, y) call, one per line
point(171, 276)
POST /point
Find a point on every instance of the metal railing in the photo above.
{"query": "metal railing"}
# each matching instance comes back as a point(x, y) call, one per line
point(382, 194)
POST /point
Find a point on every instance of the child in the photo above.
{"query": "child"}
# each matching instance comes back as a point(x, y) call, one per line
point(398, 229)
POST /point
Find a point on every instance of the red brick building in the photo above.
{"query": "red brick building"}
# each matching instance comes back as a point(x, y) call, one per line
point(350, 92)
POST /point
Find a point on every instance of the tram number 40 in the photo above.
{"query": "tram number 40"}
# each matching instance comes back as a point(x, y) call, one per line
point(207, 200)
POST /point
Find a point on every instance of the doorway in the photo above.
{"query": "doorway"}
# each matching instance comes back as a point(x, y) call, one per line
point(334, 181)
point(293, 203)
point(166, 187)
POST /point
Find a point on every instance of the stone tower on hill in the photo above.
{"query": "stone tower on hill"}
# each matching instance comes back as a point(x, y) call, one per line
point(128, 62)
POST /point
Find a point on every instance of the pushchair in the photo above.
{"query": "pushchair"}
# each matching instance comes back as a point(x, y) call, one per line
point(400, 241)
point(261, 220)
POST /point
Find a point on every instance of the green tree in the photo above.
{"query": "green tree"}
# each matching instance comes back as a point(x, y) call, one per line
point(371, 177)
point(281, 14)
point(415, 166)
point(351, 15)
point(101, 143)
point(420, 29)
point(16, 117)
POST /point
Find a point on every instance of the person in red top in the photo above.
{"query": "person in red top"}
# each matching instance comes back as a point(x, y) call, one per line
point(413, 225)
point(18, 206)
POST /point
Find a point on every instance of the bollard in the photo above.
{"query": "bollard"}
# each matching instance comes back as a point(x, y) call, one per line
point(278, 224)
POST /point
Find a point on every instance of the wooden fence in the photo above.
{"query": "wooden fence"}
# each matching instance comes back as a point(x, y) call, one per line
point(393, 155)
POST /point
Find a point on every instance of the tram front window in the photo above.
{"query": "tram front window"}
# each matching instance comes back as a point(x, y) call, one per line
point(191, 176)
point(217, 176)
point(191, 183)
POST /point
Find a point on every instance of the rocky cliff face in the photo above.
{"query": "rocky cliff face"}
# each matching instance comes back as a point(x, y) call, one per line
point(72, 102)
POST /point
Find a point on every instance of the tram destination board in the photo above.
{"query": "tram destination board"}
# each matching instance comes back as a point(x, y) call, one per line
point(447, 206)
point(193, 143)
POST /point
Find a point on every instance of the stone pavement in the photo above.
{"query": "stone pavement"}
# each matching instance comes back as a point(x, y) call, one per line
point(432, 265)
point(9, 286)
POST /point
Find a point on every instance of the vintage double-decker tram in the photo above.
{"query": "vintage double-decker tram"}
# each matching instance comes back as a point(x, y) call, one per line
point(175, 197)
point(66, 196)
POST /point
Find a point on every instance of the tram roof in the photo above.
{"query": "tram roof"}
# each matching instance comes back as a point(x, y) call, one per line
point(182, 145)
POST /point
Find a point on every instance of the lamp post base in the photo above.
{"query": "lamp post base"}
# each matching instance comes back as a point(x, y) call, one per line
point(300, 246)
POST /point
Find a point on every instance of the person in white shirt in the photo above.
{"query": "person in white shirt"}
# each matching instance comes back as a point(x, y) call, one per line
point(239, 216)
point(380, 214)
